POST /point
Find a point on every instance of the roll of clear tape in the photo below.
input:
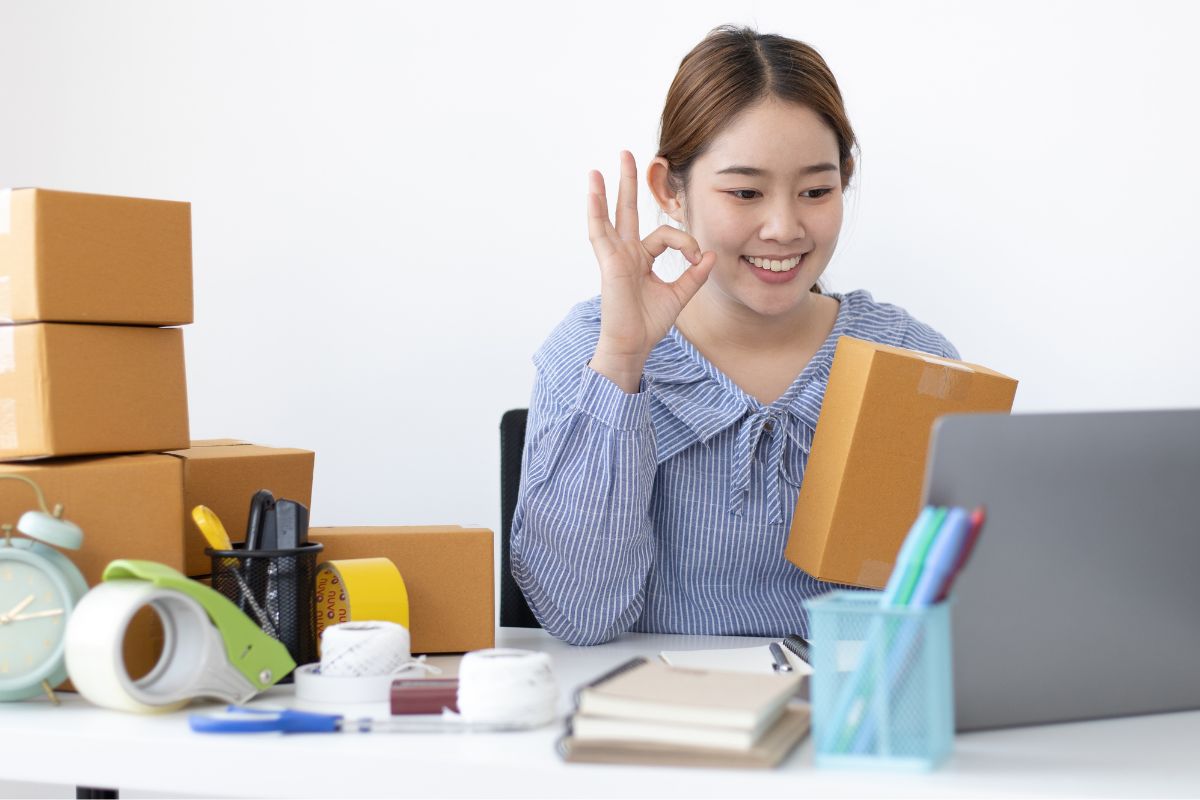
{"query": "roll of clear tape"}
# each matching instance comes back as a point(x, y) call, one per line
point(509, 686)
point(193, 661)
point(356, 649)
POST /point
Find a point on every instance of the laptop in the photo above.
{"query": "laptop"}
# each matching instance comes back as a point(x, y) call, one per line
point(1082, 598)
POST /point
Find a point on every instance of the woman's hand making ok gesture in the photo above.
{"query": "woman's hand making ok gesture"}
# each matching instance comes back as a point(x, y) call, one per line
point(637, 307)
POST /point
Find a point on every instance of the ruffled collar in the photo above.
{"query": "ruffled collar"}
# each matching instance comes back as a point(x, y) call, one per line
point(694, 401)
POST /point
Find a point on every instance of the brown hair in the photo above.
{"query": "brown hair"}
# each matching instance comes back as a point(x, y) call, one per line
point(732, 69)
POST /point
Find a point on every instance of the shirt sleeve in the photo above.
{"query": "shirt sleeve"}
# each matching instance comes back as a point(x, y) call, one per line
point(581, 535)
point(920, 336)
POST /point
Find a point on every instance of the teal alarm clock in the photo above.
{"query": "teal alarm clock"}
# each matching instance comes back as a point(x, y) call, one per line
point(39, 588)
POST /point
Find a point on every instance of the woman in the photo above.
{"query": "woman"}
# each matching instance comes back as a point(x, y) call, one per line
point(671, 422)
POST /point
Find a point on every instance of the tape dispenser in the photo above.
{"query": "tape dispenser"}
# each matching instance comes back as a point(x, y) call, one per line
point(210, 648)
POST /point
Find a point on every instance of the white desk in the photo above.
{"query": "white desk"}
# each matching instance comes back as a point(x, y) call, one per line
point(83, 745)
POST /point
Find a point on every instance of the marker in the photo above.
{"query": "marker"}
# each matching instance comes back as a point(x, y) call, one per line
point(916, 563)
point(942, 556)
point(978, 517)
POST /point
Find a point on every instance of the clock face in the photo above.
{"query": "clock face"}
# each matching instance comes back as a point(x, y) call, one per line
point(33, 617)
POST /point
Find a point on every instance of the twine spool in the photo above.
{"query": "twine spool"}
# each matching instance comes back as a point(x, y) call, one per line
point(357, 649)
point(507, 686)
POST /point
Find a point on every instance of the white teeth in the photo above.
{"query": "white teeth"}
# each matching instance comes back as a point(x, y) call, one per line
point(774, 265)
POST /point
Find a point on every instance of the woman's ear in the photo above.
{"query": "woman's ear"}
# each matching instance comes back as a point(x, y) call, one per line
point(657, 179)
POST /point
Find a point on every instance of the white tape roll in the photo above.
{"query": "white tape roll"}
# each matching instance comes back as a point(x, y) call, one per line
point(313, 686)
point(355, 649)
point(193, 662)
point(359, 661)
point(507, 686)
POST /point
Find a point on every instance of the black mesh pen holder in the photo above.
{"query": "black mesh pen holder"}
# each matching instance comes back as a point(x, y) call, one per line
point(275, 589)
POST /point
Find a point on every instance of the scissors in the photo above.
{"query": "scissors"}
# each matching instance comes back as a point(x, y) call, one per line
point(239, 719)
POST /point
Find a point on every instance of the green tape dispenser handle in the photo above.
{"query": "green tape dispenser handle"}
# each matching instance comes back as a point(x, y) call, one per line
point(251, 651)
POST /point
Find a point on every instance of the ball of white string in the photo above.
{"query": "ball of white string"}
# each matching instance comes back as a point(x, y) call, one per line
point(507, 686)
point(356, 649)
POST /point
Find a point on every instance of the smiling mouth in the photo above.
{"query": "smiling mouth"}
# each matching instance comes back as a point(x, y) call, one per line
point(775, 265)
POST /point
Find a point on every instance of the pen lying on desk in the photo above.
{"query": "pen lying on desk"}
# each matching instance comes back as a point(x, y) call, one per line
point(781, 663)
point(239, 719)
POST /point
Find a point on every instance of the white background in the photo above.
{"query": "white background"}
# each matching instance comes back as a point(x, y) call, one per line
point(388, 198)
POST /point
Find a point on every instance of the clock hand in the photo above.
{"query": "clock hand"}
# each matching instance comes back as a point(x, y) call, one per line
point(17, 609)
point(36, 615)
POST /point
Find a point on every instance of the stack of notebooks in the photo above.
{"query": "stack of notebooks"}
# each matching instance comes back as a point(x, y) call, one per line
point(646, 712)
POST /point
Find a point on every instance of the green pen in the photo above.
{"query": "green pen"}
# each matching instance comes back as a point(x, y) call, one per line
point(917, 565)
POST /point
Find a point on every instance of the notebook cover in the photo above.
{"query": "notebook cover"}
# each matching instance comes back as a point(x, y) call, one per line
point(657, 692)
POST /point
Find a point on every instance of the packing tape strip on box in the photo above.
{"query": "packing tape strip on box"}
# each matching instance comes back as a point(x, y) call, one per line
point(210, 649)
point(360, 589)
point(9, 437)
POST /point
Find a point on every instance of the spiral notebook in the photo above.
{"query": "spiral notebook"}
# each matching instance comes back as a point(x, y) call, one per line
point(755, 659)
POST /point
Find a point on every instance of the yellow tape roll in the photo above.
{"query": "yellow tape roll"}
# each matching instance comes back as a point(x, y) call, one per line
point(360, 589)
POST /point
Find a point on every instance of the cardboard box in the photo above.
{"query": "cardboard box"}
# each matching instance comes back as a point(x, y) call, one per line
point(448, 571)
point(128, 507)
point(224, 474)
point(83, 389)
point(862, 485)
point(71, 257)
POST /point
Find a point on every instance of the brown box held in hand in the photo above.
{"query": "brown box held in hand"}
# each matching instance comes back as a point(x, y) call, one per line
point(862, 485)
point(448, 571)
point(85, 389)
point(72, 257)
point(224, 474)
point(128, 507)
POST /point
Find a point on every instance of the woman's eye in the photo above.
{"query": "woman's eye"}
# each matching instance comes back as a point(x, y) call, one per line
point(813, 194)
point(744, 194)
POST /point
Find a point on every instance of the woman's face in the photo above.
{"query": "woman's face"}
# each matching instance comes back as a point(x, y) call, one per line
point(767, 198)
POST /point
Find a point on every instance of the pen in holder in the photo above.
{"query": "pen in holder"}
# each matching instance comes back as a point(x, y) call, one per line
point(275, 589)
point(882, 683)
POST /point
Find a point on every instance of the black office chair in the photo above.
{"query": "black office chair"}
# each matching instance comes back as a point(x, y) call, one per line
point(514, 611)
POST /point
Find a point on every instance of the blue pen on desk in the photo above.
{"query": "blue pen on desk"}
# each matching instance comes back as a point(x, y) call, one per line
point(239, 719)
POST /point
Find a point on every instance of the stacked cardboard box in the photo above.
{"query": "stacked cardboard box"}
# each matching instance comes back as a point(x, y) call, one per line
point(93, 391)
point(93, 407)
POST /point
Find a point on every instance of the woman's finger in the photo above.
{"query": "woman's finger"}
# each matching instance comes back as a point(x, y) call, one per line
point(665, 236)
point(627, 214)
point(687, 284)
point(600, 230)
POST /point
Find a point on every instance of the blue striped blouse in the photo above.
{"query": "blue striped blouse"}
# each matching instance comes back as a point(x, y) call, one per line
point(668, 510)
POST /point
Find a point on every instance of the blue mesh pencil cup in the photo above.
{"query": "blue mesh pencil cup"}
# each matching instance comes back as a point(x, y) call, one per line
point(882, 683)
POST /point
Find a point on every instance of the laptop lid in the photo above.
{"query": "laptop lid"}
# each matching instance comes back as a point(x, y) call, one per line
point(1082, 598)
